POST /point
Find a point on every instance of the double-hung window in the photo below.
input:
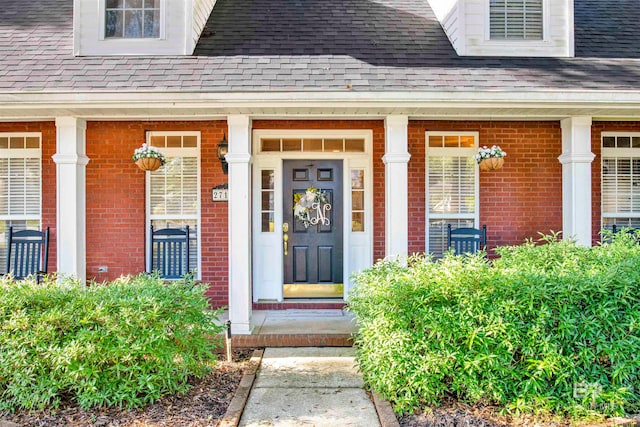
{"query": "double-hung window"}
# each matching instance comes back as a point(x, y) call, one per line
point(621, 180)
point(173, 196)
point(515, 20)
point(132, 19)
point(452, 185)
point(20, 184)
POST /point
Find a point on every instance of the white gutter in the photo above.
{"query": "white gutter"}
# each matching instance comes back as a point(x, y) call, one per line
point(422, 99)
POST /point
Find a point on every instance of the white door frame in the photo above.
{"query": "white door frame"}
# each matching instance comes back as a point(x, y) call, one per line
point(268, 261)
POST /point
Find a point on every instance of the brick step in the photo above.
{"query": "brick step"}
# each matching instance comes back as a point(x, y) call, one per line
point(292, 340)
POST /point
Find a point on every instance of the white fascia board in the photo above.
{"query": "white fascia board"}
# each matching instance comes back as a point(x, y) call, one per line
point(329, 100)
point(404, 98)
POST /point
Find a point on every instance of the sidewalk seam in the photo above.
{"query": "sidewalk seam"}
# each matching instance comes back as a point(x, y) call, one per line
point(234, 411)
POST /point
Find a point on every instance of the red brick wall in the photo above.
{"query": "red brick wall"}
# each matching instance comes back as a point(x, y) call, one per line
point(517, 201)
point(116, 201)
point(377, 127)
point(48, 130)
point(596, 143)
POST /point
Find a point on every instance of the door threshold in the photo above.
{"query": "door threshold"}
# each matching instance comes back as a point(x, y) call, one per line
point(302, 301)
point(313, 290)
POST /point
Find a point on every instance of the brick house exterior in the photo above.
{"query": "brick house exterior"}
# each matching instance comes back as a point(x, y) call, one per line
point(386, 74)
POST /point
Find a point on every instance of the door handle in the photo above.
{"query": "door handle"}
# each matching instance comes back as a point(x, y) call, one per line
point(285, 238)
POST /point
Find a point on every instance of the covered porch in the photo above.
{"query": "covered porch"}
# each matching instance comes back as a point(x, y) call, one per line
point(560, 135)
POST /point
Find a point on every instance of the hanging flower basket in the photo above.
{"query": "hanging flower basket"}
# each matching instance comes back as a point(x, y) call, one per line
point(490, 159)
point(149, 163)
point(148, 158)
point(491, 163)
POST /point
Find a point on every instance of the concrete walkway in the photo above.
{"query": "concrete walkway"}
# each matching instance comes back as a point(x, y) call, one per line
point(313, 386)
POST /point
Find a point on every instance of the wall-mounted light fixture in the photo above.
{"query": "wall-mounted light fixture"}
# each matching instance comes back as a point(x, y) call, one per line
point(223, 149)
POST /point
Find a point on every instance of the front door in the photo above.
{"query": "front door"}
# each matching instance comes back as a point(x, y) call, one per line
point(313, 244)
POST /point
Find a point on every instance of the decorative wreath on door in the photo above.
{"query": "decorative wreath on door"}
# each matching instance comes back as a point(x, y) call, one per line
point(313, 200)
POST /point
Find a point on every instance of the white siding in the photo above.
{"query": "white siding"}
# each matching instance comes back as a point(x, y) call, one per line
point(176, 37)
point(201, 11)
point(448, 13)
point(466, 23)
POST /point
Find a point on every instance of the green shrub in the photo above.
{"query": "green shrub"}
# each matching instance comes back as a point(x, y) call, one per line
point(552, 328)
point(124, 343)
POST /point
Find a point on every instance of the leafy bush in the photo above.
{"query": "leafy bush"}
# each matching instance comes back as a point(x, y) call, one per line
point(547, 329)
point(124, 343)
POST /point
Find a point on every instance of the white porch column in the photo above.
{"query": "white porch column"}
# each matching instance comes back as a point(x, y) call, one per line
point(576, 161)
point(239, 159)
point(71, 162)
point(396, 159)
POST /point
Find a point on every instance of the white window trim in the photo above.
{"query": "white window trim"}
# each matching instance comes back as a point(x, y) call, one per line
point(311, 134)
point(453, 152)
point(12, 153)
point(102, 7)
point(616, 152)
point(266, 241)
point(509, 43)
point(171, 152)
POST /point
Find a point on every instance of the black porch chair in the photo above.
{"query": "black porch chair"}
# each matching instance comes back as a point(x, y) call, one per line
point(169, 253)
point(632, 231)
point(27, 253)
point(466, 239)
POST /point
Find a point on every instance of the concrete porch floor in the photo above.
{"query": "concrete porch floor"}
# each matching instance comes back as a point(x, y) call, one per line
point(298, 328)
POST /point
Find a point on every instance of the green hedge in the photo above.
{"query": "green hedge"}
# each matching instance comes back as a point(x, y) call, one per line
point(123, 343)
point(551, 328)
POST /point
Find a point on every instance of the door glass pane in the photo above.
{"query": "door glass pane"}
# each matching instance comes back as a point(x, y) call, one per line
point(291, 145)
point(357, 179)
point(357, 221)
point(268, 200)
point(354, 145)
point(270, 145)
point(357, 200)
point(313, 145)
point(333, 145)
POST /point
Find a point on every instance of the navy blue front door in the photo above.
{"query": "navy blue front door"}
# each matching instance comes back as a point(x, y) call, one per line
point(313, 259)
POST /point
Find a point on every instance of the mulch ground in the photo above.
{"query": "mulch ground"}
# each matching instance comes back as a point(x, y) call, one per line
point(203, 405)
point(455, 414)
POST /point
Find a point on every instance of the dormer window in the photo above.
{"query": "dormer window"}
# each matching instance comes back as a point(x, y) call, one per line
point(515, 19)
point(132, 19)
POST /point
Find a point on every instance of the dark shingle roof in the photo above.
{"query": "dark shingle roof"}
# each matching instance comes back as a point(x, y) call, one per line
point(283, 45)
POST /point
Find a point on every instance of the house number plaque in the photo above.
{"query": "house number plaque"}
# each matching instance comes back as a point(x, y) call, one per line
point(220, 193)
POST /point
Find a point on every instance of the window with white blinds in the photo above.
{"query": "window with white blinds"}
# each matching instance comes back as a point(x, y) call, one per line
point(621, 180)
point(515, 19)
point(173, 198)
point(452, 186)
point(20, 185)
